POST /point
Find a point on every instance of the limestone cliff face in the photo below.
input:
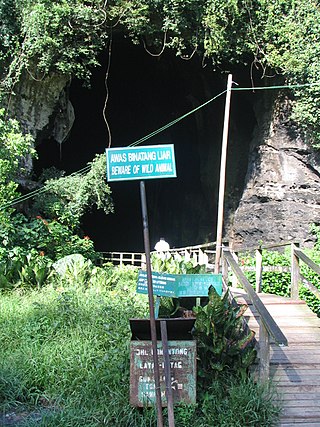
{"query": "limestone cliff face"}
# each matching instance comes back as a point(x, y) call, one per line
point(42, 107)
point(281, 196)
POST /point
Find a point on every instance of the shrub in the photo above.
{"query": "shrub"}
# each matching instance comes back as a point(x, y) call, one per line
point(223, 344)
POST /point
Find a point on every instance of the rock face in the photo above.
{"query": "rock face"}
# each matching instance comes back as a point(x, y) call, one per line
point(281, 196)
point(43, 107)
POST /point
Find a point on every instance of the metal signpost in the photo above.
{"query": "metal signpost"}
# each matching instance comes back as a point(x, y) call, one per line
point(139, 163)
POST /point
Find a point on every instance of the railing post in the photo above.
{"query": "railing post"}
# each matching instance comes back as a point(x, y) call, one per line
point(143, 261)
point(295, 273)
point(234, 280)
point(224, 269)
point(258, 270)
point(264, 346)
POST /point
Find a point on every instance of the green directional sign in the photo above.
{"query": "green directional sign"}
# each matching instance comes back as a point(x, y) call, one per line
point(180, 285)
point(130, 163)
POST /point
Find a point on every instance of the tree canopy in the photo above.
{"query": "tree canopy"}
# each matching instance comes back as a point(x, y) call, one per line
point(65, 36)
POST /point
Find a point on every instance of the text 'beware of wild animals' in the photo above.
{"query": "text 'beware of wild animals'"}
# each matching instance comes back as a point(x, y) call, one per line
point(130, 163)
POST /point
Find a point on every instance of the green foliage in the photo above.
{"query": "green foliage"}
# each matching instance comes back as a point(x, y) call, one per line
point(66, 199)
point(273, 282)
point(15, 149)
point(64, 361)
point(222, 343)
point(23, 269)
point(62, 203)
point(176, 264)
point(50, 238)
point(73, 269)
point(315, 229)
point(279, 37)
point(172, 24)
point(42, 37)
point(312, 301)
point(232, 402)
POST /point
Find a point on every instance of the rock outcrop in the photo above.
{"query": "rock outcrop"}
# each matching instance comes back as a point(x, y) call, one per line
point(281, 195)
point(42, 107)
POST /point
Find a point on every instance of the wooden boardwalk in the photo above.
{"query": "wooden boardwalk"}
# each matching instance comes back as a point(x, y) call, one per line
point(295, 369)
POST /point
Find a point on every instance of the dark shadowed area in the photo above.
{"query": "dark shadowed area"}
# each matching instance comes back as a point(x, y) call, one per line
point(144, 94)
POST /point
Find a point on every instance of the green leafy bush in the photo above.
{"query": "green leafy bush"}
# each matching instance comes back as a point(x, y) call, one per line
point(52, 226)
point(50, 238)
point(176, 264)
point(67, 198)
point(20, 268)
point(223, 345)
point(15, 150)
point(42, 37)
point(312, 301)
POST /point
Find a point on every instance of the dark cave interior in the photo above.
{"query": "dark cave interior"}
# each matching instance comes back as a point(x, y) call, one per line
point(144, 94)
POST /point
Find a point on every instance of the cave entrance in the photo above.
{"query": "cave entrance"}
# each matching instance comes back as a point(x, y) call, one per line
point(144, 93)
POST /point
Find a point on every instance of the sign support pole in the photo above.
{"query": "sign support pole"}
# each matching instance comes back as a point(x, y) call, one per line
point(167, 371)
point(223, 175)
point(151, 302)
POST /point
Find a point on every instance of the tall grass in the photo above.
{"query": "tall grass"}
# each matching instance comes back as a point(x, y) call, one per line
point(64, 360)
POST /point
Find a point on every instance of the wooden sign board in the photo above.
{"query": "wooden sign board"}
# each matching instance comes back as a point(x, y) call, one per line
point(182, 356)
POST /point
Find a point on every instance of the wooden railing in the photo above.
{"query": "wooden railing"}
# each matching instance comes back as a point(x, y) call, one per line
point(123, 258)
point(201, 253)
point(267, 326)
point(297, 277)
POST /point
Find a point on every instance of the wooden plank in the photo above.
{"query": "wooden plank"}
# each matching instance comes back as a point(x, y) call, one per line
point(310, 404)
point(291, 372)
point(297, 379)
point(294, 358)
point(296, 368)
point(301, 412)
point(298, 388)
point(293, 396)
point(306, 314)
point(290, 310)
point(292, 321)
point(315, 349)
point(305, 338)
point(293, 423)
point(310, 287)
